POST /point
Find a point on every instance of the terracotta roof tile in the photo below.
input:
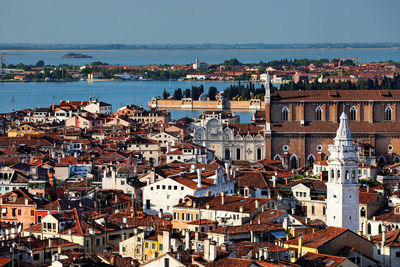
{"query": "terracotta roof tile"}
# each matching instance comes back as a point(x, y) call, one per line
point(392, 238)
point(319, 238)
point(311, 259)
point(233, 203)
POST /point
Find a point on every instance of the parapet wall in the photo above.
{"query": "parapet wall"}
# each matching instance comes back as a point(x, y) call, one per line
point(186, 103)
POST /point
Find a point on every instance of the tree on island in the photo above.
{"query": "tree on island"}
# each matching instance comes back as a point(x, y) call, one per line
point(197, 91)
point(178, 94)
point(165, 94)
point(212, 92)
point(39, 64)
point(186, 93)
point(232, 62)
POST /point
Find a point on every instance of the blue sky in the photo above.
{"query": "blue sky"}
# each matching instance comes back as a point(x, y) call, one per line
point(205, 21)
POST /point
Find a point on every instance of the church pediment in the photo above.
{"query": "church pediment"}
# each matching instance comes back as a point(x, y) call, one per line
point(335, 161)
point(351, 161)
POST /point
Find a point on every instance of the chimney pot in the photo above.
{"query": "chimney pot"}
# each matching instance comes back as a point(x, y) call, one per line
point(199, 178)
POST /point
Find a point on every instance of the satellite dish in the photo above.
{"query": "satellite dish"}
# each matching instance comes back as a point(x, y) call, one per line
point(232, 255)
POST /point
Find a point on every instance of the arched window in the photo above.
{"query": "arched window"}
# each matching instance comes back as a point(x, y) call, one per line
point(396, 159)
point(353, 114)
point(388, 114)
point(347, 175)
point(380, 229)
point(238, 153)
point(259, 153)
point(368, 229)
point(353, 175)
point(318, 114)
point(227, 153)
point(311, 160)
point(362, 212)
point(285, 114)
point(332, 175)
point(338, 174)
point(293, 162)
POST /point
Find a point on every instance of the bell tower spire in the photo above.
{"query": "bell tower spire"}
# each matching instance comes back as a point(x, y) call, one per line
point(342, 185)
point(267, 100)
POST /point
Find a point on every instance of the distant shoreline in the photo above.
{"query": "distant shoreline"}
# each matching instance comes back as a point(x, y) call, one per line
point(187, 50)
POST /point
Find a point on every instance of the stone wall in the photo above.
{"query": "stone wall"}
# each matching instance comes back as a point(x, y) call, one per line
point(207, 105)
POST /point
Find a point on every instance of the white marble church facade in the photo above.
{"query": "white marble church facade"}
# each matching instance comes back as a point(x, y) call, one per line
point(236, 141)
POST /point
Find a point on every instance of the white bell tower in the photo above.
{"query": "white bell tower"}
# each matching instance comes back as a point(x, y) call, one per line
point(267, 102)
point(342, 185)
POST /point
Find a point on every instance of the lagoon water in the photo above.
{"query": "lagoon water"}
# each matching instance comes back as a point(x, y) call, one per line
point(143, 57)
point(14, 96)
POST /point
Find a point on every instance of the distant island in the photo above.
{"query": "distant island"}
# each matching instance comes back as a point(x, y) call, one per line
point(76, 55)
point(255, 46)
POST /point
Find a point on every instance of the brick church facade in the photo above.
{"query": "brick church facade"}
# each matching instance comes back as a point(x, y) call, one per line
point(301, 124)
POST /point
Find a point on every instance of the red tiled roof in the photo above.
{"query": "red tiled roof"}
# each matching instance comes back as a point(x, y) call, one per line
point(4, 261)
point(309, 259)
point(319, 238)
point(332, 95)
point(233, 203)
point(246, 228)
point(365, 198)
point(392, 238)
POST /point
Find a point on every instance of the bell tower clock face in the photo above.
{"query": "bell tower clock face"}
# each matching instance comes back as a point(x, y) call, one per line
point(350, 197)
point(335, 195)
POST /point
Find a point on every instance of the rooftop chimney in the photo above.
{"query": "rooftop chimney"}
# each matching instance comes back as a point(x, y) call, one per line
point(199, 178)
point(285, 224)
point(187, 239)
point(274, 178)
point(166, 241)
point(207, 249)
point(384, 230)
point(257, 203)
point(213, 251)
point(300, 244)
point(222, 198)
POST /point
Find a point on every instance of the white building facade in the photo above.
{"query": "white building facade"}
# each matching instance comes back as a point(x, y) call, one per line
point(233, 141)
